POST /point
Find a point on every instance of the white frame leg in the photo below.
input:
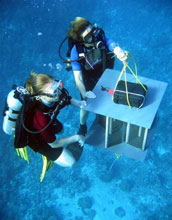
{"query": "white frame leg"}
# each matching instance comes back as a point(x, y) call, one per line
point(144, 138)
point(107, 131)
point(127, 132)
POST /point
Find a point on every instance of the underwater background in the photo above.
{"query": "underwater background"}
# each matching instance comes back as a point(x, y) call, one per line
point(99, 186)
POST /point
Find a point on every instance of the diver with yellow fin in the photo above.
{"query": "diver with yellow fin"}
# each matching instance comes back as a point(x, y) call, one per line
point(31, 114)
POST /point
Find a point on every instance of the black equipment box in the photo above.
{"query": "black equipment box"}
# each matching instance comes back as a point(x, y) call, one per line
point(136, 94)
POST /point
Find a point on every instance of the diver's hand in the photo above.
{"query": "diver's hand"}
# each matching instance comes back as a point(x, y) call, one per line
point(78, 103)
point(90, 95)
point(80, 139)
point(121, 54)
point(82, 104)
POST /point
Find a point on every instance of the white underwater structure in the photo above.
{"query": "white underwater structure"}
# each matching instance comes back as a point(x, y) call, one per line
point(118, 128)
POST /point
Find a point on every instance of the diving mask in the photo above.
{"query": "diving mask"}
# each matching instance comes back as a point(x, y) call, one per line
point(91, 35)
point(87, 34)
point(55, 90)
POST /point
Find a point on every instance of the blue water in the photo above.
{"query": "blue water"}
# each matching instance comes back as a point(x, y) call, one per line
point(30, 32)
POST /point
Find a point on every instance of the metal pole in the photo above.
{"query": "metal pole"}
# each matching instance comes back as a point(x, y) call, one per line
point(127, 132)
point(110, 125)
point(123, 131)
point(106, 131)
point(140, 131)
point(144, 138)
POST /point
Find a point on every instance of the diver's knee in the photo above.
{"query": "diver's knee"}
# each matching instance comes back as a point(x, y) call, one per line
point(66, 159)
point(72, 162)
point(65, 163)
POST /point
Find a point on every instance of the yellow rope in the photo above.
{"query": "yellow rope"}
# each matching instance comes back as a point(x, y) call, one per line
point(123, 71)
point(137, 79)
point(118, 155)
point(126, 88)
point(135, 66)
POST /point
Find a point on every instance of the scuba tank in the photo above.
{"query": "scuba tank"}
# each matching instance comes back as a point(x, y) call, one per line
point(12, 107)
point(16, 99)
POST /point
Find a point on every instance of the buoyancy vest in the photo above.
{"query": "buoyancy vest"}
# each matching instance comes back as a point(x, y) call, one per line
point(25, 132)
point(19, 105)
point(97, 56)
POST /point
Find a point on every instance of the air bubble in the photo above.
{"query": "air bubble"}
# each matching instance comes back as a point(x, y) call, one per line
point(58, 66)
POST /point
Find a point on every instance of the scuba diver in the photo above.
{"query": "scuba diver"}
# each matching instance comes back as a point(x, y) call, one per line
point(46, 97)
point(90, 52)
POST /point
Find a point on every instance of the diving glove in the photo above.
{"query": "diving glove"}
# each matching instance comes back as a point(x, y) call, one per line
point(90, 95)
point(121, 54)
